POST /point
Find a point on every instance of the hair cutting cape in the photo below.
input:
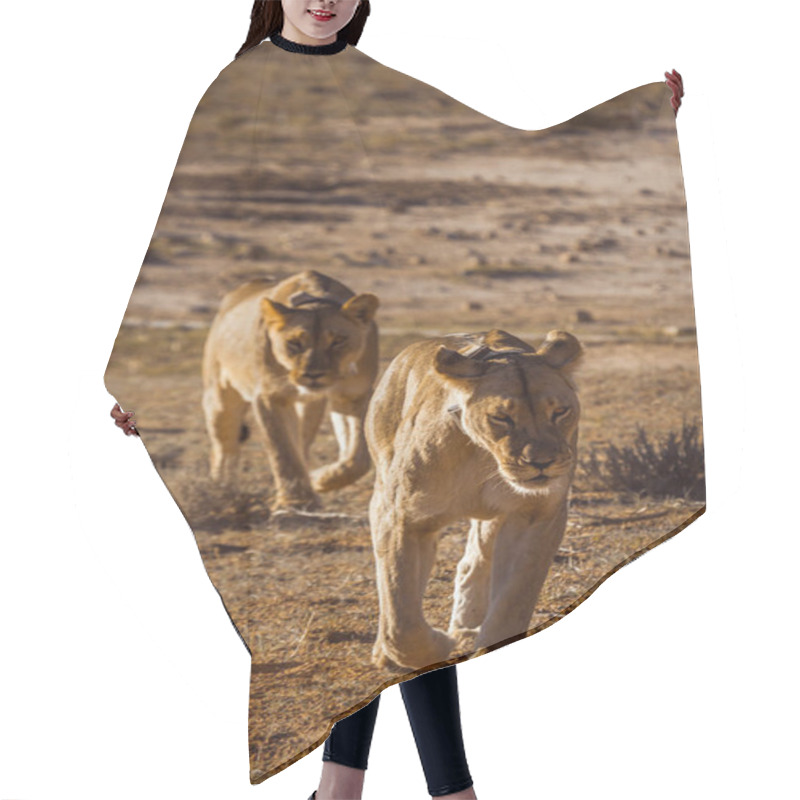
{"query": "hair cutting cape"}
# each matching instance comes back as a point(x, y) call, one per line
point(341, 177)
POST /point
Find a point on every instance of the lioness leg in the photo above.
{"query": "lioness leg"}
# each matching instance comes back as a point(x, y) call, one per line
point(224, 410)
point(279, 423)
point(523, 553)
point(347, 418)
point(310, 415)
point(404, 557)
point(473, 578)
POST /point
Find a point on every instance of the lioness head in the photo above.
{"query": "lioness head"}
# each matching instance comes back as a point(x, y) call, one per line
point(522, 407)
point(318, 342)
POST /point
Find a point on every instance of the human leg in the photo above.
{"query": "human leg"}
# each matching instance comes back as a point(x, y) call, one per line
point(345, 755)
point(431, 701)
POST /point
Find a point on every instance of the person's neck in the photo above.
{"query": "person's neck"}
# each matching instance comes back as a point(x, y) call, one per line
point(292, 46)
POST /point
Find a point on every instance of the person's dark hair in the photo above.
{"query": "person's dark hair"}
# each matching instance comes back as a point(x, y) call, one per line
point(266, 18)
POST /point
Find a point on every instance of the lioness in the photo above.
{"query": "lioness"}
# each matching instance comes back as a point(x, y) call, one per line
point(285, 350)
point(479, 426)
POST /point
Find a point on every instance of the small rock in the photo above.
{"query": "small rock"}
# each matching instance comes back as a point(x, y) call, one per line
point(461, 235)
point(582, 315)
point(476, 259)
point(606, 243)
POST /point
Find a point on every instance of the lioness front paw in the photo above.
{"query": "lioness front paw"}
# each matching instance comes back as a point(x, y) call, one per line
point(326, 478)
point(382, 661)
point(440, 646)
point(336, 476)
point(304, 502)
point(464, 638)
point(415, 652)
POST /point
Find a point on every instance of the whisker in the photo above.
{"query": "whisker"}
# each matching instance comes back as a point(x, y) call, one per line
point(495, 479)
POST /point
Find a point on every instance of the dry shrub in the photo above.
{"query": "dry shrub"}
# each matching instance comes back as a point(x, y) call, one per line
point(671, 467)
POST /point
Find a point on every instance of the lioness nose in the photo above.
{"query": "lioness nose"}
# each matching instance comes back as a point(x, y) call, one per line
point(540, 464)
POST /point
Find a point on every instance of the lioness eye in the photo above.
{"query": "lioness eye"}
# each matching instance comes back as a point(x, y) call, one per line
point(338, 342)
point(294, 345)
point(501, 419)
point(560, 413)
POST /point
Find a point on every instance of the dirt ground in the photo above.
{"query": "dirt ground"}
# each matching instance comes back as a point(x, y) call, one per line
point(509, 229)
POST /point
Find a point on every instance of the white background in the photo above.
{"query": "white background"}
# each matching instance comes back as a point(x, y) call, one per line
point(120, 673)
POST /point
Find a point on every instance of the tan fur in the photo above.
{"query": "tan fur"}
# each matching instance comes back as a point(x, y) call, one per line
point(286, 360)
point(456, 437)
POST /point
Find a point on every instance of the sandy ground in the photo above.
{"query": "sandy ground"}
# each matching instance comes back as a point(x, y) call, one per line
point(527, 231)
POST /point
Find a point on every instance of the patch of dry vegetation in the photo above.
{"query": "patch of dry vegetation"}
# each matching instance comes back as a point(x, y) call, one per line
point(673, 466)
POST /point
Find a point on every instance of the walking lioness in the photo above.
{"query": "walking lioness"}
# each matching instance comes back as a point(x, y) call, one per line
point(479, 426)
point(286, 350)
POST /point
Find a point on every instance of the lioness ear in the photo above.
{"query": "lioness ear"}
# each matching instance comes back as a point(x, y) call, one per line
point(561, 350)
point(274, 312)
point(361, 308)
point(453, 365)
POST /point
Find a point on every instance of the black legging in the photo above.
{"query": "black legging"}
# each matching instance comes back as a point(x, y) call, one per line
point(431, 701)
